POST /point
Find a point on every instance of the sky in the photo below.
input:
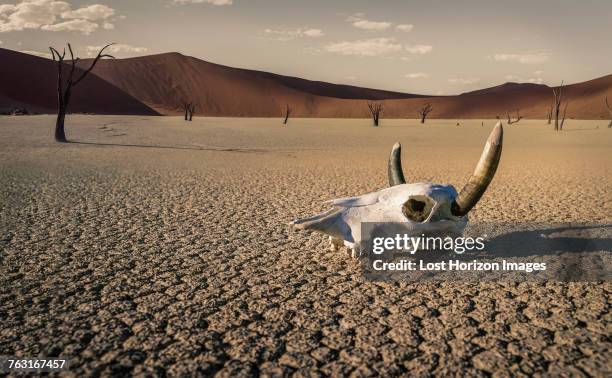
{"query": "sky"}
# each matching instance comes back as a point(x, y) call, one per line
point(427, 47)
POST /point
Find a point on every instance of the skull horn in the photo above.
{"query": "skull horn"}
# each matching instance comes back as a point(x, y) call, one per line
point(394, 168)
point(483, 174)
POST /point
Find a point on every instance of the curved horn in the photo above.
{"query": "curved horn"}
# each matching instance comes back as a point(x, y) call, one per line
point(394, 168)
point(483, 174)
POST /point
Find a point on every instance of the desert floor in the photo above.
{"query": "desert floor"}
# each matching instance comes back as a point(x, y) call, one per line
point(154, 245)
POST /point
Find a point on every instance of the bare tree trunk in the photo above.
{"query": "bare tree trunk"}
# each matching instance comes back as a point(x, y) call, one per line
point(287, 113)
point(60, 135)
point(558, 98)
point(609, 111)
point(549, 115)
point(192, 109)
point(563, 119)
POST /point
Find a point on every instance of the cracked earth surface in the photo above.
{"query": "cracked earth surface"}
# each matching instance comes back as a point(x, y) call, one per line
point(178, 261)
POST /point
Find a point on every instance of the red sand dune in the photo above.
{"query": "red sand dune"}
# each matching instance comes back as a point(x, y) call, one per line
point(163, 81)
point(30, 81)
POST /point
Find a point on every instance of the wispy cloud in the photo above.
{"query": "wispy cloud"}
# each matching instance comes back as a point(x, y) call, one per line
point(118, 48)
point(365, 47)
point(53, 15)
point(464, 80)
point(404, 27)
point(416, 75)
point(418, 49)
point(290, 34)
point(358, 21)
point(535, 58)
point(534, 80)
point(375, 47)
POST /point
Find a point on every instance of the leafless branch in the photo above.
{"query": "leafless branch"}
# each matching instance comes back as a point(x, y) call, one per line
point(518, 117)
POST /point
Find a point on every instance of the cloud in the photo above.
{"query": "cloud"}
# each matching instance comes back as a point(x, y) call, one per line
point(404, 27)
point(359, 22)
point(108, 26)
point(118, 48)
point(537, 58)
point(464, 80)
point(52, 15)
point(313, 33)
point(534, 80)
point(92, 13)
point(365, 47)
point(416, 75)
point(290, 34)
point(83, 26)
point(212, 2)
point(419, 49)
point(37, 53)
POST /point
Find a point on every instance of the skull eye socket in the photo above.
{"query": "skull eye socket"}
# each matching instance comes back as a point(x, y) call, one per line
point(417, 208)
point(416, 205)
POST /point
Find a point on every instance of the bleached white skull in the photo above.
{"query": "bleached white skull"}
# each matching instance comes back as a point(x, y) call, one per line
point(422, 208)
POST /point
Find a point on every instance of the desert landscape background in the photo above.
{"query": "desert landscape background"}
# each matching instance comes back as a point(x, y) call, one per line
point(136, 243)
point(158, 84)
point(150, 245)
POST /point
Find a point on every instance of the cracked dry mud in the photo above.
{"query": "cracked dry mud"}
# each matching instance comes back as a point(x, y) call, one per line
point(177, 260)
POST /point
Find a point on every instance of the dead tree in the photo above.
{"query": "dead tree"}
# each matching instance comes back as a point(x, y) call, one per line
point(558, 98)
point(375, 109)
point(424, 111)
point(518, 117)
point(549, 115)
point(609, 111)
point(64, 86)
point(287, 113)
point(188, 109)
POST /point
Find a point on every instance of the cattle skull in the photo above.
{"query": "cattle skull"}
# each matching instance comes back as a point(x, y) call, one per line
point(422, 208)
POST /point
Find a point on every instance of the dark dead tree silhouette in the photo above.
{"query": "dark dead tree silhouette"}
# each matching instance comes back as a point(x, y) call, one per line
point(188, 109)
point(424, 111)
point(186, 106)
point(518, 117)
point(287, 114)
point(609, 111)
point(558, 99)
point(64, 87)
point(375, 109)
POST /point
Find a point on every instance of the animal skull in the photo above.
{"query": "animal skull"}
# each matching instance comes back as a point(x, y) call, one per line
point(422, 208)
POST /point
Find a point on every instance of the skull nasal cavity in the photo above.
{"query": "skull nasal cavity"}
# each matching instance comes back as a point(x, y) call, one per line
point(416, 205)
